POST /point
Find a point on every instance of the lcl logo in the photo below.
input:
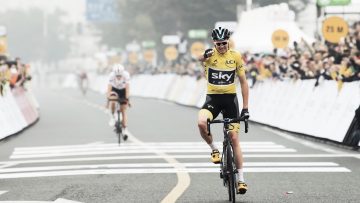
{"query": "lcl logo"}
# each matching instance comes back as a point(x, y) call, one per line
point(230, 62)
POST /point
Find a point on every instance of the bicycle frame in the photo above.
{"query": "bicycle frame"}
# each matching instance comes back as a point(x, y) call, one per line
point(227, 164)
point(118, 125)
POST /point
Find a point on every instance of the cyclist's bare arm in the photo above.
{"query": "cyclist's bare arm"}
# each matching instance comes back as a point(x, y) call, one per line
point(127, 91)
point(109, 90)
point(127, 94)
point(244, 90)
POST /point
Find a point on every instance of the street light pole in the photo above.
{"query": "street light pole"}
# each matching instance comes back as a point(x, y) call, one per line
point(248, 5)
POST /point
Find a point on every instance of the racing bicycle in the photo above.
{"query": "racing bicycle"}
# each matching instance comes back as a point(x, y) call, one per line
point(118, 126)
point(228, 169)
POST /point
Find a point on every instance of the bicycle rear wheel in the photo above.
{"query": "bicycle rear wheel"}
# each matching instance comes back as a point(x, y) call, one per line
point(230, 172)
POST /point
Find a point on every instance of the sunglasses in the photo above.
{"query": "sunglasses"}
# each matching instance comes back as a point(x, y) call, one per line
point(221, 43)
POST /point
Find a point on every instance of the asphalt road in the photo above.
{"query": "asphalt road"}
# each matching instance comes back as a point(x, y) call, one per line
point(71, 154)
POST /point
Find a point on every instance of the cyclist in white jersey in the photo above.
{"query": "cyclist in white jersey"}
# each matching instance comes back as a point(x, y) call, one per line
point(118, 87)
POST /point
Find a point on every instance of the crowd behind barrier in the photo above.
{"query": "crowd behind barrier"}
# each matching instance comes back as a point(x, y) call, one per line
point(320, 61)
point(18, 106)
point(13, 73)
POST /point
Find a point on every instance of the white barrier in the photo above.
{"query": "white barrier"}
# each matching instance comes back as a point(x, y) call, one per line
point(300, 107)
point(17, 112)
point(296, 106)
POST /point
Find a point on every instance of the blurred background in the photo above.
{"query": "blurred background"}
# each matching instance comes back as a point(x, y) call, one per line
point(63, 43)
point(166, 36)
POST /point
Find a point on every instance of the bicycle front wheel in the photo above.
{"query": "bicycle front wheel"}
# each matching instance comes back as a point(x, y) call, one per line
point(119, 128)
point(230, 172)
point(118, 132)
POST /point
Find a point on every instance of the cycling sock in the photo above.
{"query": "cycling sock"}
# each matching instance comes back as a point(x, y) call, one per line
point(240, 175)
point(212, 146)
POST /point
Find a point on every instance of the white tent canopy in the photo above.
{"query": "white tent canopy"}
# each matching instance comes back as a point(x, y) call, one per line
point(256, 27)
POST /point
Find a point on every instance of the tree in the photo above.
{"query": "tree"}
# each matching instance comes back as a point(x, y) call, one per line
point(144, 20)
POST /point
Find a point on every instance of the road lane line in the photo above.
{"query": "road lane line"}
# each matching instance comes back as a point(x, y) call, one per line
point(183, 177)
point(260, 144)
point(129, 151)
point(125, 146)
point(181, 171)
point(3, 192)
point(159, 165)
point(8, 165)
point(177, 156)
point(135, 151)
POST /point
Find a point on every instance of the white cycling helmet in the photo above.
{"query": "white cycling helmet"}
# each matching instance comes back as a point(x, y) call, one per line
point(118, 69)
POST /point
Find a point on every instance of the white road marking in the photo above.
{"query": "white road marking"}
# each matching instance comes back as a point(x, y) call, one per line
point(183, 176)
point(62, 200)
point(3, 192)
point(133, 148)
point(59, 200)
point(177, 156)
point(277, 169)
point(8, 165)
point(24, 201)
point(179, 189)
point(125, 148)
point(149, 144)
point(132, 151)
point(159, 165)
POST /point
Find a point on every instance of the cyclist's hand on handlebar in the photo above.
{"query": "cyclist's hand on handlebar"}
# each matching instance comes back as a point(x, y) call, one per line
point(245, 113)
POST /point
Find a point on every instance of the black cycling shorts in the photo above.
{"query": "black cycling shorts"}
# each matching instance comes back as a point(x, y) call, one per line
point(227, 104)
point(121, 94)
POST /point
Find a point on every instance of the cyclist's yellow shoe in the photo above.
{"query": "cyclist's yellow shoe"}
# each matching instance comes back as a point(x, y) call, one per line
point(215, 156)
point(241, 188)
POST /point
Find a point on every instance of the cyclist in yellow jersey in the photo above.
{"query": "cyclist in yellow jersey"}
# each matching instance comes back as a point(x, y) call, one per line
point(221, 66)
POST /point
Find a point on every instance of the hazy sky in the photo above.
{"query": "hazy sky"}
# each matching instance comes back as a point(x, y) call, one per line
point(74, 8)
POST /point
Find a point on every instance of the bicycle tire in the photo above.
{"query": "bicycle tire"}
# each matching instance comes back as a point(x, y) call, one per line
point(224, 171)
point(119, 132)
point(230, 172)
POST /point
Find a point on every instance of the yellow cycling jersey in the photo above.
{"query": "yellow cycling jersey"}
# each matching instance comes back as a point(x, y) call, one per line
point(220, 71)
